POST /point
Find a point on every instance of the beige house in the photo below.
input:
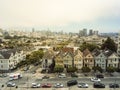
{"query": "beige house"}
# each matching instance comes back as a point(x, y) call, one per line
point(88, 60)
point(78, 59)
point(59, 59)
point(68, 59)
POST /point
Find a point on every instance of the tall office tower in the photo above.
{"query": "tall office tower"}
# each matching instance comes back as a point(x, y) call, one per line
point(90, 32)
point(33, 30)
point(95, 32)
point(84, 32)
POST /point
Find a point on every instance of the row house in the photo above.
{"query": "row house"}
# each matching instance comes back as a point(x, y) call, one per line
point(100, 59)
point(69, 57)
point(106, 58)
point(47, 58)
point(88, 59)
point(78, 59)
point(9, 58)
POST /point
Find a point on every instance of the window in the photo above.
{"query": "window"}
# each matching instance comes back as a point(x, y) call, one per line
point(1, 66)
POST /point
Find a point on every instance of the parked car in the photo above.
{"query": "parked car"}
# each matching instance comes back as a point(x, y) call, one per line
point(95, 80)
point(36, 85)
point(72, 82)
point(58, 85)
point(82, 85)
point(98, 85)
point(113, 85)
point(10, 84)
point(46, 85)
point(100, 76)
point(74, 75)
point(45, 77)
point(61, 75)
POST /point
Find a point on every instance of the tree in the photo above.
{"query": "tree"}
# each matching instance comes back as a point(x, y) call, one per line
point(95, 68)
point(109, 44)
point(34, 57)
point(71, 69)
point(58, 69)
point(91, 47)
point(110, 69)
point(86, 69)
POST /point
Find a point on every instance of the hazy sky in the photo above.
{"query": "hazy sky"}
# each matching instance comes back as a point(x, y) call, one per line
point(66, 15)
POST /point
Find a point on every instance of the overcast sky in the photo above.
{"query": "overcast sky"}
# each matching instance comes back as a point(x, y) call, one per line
point(66, 15)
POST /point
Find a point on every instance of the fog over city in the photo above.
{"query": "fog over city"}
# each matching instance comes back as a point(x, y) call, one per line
point(57, 15)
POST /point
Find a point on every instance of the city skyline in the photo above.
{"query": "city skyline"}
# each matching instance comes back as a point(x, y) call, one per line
point(61, 15)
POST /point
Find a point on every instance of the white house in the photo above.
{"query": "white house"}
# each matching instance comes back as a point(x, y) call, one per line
point(100, 59)
point(9, 58)
point(113, 60)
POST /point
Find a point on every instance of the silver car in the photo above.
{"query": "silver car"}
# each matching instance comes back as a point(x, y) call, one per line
point(82, 85)
point(10, 84)
point(36, 85)
point(58, 85)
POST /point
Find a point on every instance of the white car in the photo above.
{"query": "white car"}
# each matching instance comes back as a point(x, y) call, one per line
point(58, 85)
point(10, 84)
point(82, 85)
point(36, 85)
point(62, 75)
point(95, 80)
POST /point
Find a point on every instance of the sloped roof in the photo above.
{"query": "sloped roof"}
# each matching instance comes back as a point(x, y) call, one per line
point(68, 49)
point(6, 53)
point(107, 52)
point(49, 54)
point(86, 52)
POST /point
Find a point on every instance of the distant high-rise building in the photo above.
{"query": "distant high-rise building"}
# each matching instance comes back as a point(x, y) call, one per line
point(84, 32)
point(33, 30)
point(90, 32)
point(95, 32)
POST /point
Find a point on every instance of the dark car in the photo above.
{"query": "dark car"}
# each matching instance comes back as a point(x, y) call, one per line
point(72, 82)
point(100, 76)
point(74, 75)
point(45, 77)
point(113, 85)
point(98, 85)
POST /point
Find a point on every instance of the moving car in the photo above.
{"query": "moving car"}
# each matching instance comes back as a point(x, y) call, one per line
point(100, 76)
point(36, 85)
point(45, 77)
point(98, 85)
point(82, 85)
point(95, 80)
point(113, 85)
point(46, 85)
point(61, 75)
point(10, 84)
point(72, 82)
point(58, 85)
point(74, 75)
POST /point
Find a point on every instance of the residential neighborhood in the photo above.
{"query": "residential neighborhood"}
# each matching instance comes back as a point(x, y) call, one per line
point(58, 53)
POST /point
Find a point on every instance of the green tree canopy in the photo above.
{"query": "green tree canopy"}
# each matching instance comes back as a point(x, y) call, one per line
point(86, 69)
point(34, 57)
point(95, 68)
point(109, 44)
point(91, 47)
point(110, 69)
point(71, 69)
point(58, 69)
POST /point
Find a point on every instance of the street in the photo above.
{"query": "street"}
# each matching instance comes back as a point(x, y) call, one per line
point(28, 78)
